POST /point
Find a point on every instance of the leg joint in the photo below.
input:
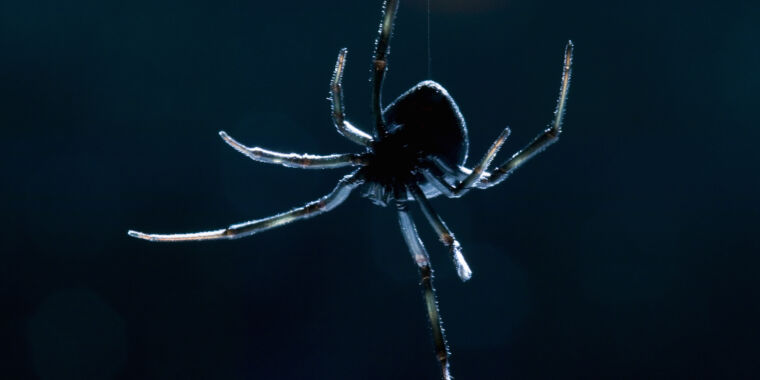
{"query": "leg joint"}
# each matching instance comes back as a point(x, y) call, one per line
point(315, 206)
point(380, 64)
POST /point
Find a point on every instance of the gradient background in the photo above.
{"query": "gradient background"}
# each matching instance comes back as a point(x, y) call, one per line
point(627, 250)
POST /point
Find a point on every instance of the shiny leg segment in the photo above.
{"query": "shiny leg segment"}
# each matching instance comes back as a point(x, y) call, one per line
point(420, 256)
point(380, 63)
point(338, 108)
point(444, 234)
point(294, 160)
point(436, 178)
point(548, 137)
point(314, 208)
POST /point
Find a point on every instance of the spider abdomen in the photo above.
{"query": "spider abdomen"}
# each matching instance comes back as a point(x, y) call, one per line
point(426, 119)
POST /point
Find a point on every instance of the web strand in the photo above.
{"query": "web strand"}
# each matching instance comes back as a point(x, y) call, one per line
point(429, 56)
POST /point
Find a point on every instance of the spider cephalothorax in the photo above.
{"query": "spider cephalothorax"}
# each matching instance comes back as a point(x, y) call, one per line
point(418, 150)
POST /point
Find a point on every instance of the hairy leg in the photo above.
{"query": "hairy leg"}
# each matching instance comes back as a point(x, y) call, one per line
point(314, 208)
point(380, 63)
point(444, 234)
point(542, 141)
point(294, 160)
point(420, 256)
point(338, 108)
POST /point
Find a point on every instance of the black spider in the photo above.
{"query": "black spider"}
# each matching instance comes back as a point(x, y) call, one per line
point(418, 152)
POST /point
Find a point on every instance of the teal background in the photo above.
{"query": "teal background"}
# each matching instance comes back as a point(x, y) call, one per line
point(627, 250)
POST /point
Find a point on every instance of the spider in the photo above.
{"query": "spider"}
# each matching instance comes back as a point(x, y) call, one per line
point(418, 151)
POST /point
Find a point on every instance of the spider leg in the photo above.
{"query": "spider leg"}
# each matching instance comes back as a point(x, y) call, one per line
point(421, 258)
point(338, 108)
point(293, 160)
point(314, 208)
point(437, 179)
point(470, 179)
point(380, 63)
point(548, 137)
point(444, 234)
point(435, 174)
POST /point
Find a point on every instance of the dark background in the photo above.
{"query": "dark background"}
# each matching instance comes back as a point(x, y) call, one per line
point(627, 250)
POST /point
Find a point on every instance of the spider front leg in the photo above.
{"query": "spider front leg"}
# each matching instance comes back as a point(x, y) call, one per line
point(548, 137)
point(421, 258)
point(338, 109)
point(314, 208)
point(293, 160)
point(380, 63)
point(444, 234)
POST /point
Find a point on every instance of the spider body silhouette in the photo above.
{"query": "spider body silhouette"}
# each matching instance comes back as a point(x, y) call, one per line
point(417, 151)
point(423, 124)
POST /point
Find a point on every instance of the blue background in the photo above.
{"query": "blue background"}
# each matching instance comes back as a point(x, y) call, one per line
point(627, 250)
